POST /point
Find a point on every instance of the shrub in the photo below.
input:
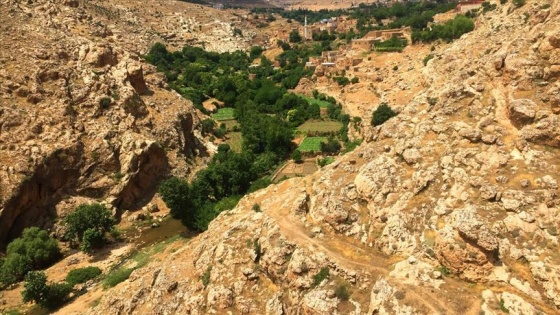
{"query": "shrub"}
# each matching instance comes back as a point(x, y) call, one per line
point(46, 295)
point(341, 292)
point(295, 37)
point(331, 146)
point(207, 125)
point(342, 81)
point(296, 156)
point(33, 250)
point(382, 114)
point(205, 278)
point(320, 276)
point(257, 207)
point(117, 277)
point(88, 224)
point(82, 275)
point(427, 58)
point(518, 3)
point(105, 102)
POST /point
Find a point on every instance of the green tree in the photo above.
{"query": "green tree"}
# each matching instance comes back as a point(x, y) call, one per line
point(37, 290)
point(35, 244)
point(175, 192)
point(33, 250)
point(296, 156)
point(295, 37)
point(382, 114)
point(88, 224)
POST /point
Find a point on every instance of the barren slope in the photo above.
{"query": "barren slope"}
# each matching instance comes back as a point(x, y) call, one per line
point(463, 181)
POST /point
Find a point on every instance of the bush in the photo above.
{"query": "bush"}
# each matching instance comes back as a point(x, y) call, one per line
point(295, 37)
point(427, 58)
point(382, 114)
point(331, 146)
point(49, 296)
point(256, 207)
point(342, 81)
point(88, 224)
point(82, 275)
point(205, 278)
point(320, 276)
point(207, 125)
point(117, 277)
point(34, 250)
point(296, 156)
point(518, 3)
point(341, 292)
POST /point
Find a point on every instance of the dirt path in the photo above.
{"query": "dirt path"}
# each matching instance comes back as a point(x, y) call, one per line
point(368, 262)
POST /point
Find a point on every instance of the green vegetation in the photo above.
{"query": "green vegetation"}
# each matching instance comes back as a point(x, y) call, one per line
point(518, 3)
point(225, 113)
point(117, 277)
point(235, 141)
point(296, 156)
point(313, 101)
point(444, 270)
point(266, 116)
point(503, 308)
point(315, 127)
point(49, 296)
point(382, 114)
point(139, 259)
point(295, 37)
point(452, 29)
point(342, 81)
point(341, 292)
point(82, 275)
point(393, 44)
point(256, 207)
point(427, 58)
point(330, 146)
point(205, 278)
point(320, 276)
point(88, 224)
point(311, 144)
point(33, 250)
point(325, 161)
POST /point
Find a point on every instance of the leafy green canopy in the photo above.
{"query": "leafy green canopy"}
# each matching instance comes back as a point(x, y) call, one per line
point(37, 290)
point(33, 250)
point(382, 114)
point(88, 224)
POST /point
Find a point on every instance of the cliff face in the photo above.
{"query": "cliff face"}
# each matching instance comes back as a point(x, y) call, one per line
point(81, 115)
point(464, 181)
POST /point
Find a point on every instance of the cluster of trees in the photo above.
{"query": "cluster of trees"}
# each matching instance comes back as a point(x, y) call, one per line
point(52, 295)
point(267, 115)
point(381, 114)
point(199, 75)
point(88, 226)
point(449, 31)
point(35, 249)
point(217, 188)
point(415, 14)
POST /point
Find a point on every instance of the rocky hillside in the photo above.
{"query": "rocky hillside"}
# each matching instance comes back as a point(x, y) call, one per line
point(451, 207)
point(82, 116)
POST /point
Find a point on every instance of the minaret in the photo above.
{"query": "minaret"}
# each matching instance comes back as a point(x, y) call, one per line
point(305, 29)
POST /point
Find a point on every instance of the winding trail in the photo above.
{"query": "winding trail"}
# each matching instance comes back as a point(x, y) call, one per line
point(370, 262)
